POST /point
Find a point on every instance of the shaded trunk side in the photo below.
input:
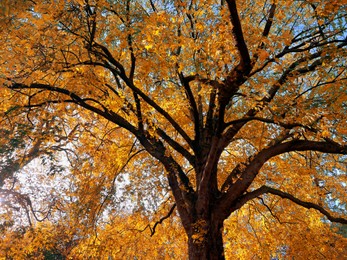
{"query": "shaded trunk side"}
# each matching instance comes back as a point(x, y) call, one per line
point(205, 240)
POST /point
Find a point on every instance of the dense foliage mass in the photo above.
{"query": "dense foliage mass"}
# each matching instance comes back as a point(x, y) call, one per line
point(173, 129)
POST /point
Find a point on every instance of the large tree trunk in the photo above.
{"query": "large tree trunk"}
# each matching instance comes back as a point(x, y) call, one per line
point(205, 240)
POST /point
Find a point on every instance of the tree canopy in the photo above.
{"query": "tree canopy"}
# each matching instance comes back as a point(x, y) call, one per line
point(224, 120)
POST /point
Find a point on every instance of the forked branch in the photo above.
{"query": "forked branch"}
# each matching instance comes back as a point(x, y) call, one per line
point(305, 204)
point(234, 192)
point(162, 219)
point(284, 195)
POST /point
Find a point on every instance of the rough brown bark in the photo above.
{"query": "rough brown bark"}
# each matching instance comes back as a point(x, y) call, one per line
point(205, 240)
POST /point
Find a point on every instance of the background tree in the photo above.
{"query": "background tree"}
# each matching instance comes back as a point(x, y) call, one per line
point(238, 102)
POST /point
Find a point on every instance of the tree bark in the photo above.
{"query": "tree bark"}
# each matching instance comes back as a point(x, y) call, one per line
point(205, 240)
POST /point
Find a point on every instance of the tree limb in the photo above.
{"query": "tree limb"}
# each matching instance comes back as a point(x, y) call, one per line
point(265, 33)
point(159, 109)
point(305, 204)
point(192, 103)
point(176, 146)
point(162, 219)
point(238, 34)
point(129, 82)
point(250, 170)
point(269, 20)
point(269, 121)
point(183, 191)
point(108, 114)
point(290, 71)
point(284, 195)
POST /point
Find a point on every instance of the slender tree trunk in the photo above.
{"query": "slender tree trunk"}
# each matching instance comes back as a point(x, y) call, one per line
point(205, 240)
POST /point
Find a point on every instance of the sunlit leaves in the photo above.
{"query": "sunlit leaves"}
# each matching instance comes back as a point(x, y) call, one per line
point(137, 97)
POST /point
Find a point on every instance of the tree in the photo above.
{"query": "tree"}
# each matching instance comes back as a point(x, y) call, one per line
point(237, 101)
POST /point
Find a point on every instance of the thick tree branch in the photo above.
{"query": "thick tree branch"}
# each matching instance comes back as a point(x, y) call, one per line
point(108, 114)
point(109, 57)
point(238, 34)
point(192, 103)
point(171, 142)
point(207, 180)
point(121, 73)
point(130, 43)
point(153, 146)
point(211, 110)
point(265, 33)
point(247, 197)
point(158, 108)
point(269, 20)
point(91, 22)
point(176, 146)
point(265, 189)
point(183, 191)
point(239, 74)
point(305, 204)
point(290, 71)
point(269, 121)
point(138, 112)
point(129, 82)
point(249, 171)
point(154, 9)
point(132, 59)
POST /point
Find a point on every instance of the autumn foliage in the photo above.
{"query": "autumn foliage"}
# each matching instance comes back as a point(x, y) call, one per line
point(173, 129)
